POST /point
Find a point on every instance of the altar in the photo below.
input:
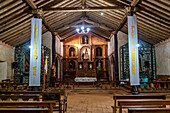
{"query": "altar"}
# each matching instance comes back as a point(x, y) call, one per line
point(85, 79)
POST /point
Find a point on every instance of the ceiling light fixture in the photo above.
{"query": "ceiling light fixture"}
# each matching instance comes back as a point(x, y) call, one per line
point(83, 30)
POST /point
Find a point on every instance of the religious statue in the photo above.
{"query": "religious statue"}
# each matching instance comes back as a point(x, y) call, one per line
point(85, 39)
point(53, 70)
point(99, 65)
point(53, 77)
point(85, 55)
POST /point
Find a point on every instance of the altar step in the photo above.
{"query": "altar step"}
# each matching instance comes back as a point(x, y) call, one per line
point(94, 91)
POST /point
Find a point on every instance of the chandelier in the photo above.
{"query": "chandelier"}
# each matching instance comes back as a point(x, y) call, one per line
point(83, 30)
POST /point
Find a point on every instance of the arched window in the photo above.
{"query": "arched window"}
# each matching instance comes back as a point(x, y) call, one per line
point(99, 64)
point(98, 51)
point(72, 64)
point(72, 51)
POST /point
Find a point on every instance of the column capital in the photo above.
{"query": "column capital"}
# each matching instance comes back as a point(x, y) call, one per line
point(131, 9)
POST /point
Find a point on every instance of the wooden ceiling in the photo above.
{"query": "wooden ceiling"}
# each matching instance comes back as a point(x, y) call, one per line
point(59, 17)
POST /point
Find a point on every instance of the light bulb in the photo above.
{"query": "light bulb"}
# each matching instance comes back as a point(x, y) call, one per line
point(77, 29)
point(137, 45)
point(88, 29)
point(82, 27)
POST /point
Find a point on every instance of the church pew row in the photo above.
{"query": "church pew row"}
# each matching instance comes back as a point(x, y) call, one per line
point(149, 110)
point(17, 97)
point(123, 103)
point(34, 106)
point(24, 110)
point(116, 98)
point(61, 103)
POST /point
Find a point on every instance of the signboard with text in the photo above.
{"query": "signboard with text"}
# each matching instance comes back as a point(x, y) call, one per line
point(35, 52)
point(133, 50)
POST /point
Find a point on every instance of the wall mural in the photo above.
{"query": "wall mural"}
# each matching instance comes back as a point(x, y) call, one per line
point(22, 57)
point(146, 60)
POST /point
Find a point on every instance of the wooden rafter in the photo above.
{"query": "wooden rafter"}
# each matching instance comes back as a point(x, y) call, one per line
point(79, 9)
point(34, 7)
point(124, 19)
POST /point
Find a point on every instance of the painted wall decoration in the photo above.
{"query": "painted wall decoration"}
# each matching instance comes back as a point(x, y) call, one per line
point(22, 53)
point(146, 54)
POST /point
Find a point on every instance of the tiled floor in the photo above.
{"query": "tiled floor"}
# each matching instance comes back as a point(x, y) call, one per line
point(90, 103)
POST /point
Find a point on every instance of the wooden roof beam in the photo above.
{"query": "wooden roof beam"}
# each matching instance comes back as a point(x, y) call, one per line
point(79, 9)
point(124, 19)
point(36, 11)
point(84, 19)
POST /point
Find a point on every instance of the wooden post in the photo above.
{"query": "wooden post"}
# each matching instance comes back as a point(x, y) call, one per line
point(116, 57)
point(151, 63)
point(123, 61)
point(53, 49)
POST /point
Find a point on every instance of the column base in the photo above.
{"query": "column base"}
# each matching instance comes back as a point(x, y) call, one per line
point(135, 90)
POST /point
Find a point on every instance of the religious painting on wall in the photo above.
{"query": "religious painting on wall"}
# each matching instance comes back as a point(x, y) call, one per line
point(85, 39)
point(85, 53)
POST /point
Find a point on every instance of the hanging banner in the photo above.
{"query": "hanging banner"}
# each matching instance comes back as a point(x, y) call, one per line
point(133, 50)
point(35, 52)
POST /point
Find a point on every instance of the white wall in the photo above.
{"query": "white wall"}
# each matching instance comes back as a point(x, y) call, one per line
point(6, 59)
point(122, 39)
point(163, 58)
point(47, 41)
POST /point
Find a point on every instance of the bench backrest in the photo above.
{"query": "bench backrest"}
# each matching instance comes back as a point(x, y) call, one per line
point(24, 97)
point(143, 102)
point(140, 97)
point(148, 110)
point(51, 96)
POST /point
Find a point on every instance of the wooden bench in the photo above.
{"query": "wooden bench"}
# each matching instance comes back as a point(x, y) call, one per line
point(62, 103)
point(24, 110)
point(149, 110)
point(127, 97)
point(122, 103)
point(24, 104)
point(48, 96)
point(24, 97)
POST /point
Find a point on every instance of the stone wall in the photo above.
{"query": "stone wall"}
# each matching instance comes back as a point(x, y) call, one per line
point(6, 59)
point(162, 51)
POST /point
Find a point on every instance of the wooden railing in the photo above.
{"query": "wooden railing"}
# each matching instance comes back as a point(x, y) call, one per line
point(150, 86)
point(162, 85)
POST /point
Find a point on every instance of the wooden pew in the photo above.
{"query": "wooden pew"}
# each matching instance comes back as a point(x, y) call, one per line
point(24, 97)
point(62, 102)
point(127, 97)
point(25, 104)
point(24, 110)
point(48, 96)
point(149, 110)
point(122, 103)
point(21, 92)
